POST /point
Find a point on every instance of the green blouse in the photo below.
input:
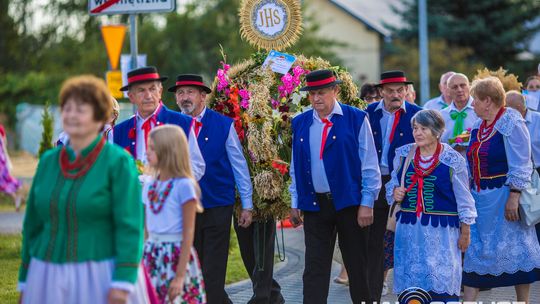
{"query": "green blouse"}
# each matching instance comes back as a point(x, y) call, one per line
point(95, 217)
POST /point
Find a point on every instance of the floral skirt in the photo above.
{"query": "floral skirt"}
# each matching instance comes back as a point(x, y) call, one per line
point(160, 260)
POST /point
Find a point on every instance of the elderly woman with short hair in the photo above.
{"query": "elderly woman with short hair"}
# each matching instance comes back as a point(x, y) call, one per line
point(436, 211)
point(83, 228)
point(503, 252)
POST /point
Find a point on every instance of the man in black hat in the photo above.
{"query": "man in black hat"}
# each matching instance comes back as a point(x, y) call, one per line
point(226, 167)
point(390, 120)
point(335, 180)
point(144, 91)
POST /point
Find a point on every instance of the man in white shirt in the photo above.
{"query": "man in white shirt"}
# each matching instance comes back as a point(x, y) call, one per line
point(442, 101)
point(516, 100)
point(459, 115)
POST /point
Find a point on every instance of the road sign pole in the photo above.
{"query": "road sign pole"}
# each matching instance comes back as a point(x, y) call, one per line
point(133, 40)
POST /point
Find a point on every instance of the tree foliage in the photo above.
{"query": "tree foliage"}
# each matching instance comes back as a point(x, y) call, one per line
point(443, 58)
point(495, 30)
point(39, 60)
point(47, 135)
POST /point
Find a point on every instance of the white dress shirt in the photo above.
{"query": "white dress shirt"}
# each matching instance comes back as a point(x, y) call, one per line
point(197, 162)
point(436, 103)
point(386, 122)
point(468, 122)
point(532, 119)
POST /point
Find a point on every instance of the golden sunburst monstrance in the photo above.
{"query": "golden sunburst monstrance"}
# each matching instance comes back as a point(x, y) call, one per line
point(270, 24)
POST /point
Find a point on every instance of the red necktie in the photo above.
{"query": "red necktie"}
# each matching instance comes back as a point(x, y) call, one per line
point(327, 124)
point(147, 127)
point(198, 126)
point(397, 116)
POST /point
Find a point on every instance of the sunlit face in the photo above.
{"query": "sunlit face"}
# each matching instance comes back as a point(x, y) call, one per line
point(410, 96)
point(151, 154)
point(323, 100)
point(443, 87)
point(423, 136)
point(146, 96)
point(481, 107)
point(393, 95)
point(190, 99)
point(78, 119)
point(459, 89)
point(533, 85)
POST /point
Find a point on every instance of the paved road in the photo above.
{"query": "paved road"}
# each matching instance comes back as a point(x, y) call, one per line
point(289, 273)
point(11, 222)
point(289, 276)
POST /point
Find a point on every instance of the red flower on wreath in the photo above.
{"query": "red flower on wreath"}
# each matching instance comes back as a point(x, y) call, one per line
point(280, 166)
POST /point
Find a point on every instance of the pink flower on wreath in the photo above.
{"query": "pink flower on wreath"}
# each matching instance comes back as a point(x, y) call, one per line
point(459, 140)
point(275, 104)
point(298, 71)
point(245, 96)
point(223, 82)
point(469, 130)
point(288, 85)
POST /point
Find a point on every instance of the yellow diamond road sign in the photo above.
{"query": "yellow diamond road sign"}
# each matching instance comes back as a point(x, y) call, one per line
point(114, 82)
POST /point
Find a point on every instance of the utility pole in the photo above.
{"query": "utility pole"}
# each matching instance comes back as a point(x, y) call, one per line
point(423, 51)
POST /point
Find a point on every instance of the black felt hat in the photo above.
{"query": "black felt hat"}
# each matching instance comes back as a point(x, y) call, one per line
point(141, 75)
point(189, 80)
point(320, 79)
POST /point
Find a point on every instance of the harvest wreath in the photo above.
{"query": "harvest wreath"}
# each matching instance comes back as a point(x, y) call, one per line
point(262, 104)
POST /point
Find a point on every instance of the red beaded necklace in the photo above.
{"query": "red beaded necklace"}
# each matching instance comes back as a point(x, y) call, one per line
point(81, 164)
point(434, 159)
point(419, 173)
point(485, 131)
point(157, 199)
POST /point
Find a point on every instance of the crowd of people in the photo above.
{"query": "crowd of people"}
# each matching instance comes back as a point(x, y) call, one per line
point(450, 175)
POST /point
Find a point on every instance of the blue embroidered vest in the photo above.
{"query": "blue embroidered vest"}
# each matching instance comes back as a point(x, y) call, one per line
point(489, 163)
point(217, 183)
point(341, 161)
point(440, 206)
point(402, 136)
point(125, 133)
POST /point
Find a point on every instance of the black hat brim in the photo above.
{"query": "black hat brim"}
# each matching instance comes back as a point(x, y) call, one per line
point(126, 87)
point(205, 88)
point(404, 82)
point(308, 88)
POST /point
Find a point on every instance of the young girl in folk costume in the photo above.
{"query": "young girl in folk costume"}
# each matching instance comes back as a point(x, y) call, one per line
point(172, 199)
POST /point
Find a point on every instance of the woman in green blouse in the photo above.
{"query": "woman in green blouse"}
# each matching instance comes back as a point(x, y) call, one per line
point(83, 229)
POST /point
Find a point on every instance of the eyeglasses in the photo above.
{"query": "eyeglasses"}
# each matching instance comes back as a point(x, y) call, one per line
point(372, 98)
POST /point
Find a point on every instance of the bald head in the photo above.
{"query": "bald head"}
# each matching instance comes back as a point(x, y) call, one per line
point(443, 86)
point(516, 100)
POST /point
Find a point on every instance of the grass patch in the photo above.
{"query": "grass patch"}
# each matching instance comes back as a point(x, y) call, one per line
point(10, 257)
point(7, 204)
point(236, 271)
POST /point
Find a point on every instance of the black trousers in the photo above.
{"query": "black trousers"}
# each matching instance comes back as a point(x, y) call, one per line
point(212, 236)
point(376, 243)
point(320, 230)
point(256, 244)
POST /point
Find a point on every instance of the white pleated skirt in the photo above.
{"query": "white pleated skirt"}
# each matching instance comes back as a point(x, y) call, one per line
point(82, 283)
